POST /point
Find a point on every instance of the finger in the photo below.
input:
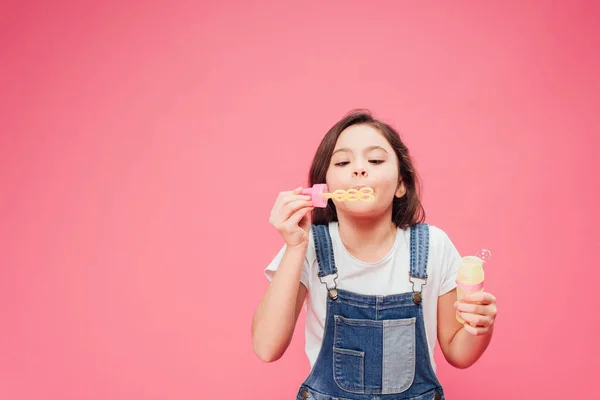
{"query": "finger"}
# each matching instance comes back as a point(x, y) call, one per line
point(297, 191)
point(282, 195)
point(291, 197)
point(282, 200)
point(306, 220)
point(475, 331)
point(485, 310)
point(292, 207)
point(472, 308)
point(478, 297)
point(279, 212)
point(289, 192)
point(476, 320)
point(294, 220)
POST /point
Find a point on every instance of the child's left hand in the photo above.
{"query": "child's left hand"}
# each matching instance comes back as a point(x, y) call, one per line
point(478, 310)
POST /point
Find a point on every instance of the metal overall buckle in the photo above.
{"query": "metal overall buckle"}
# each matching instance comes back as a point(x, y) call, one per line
point(417, 297)
point(331, 286)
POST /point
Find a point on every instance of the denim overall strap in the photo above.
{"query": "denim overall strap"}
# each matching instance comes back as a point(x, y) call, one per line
point(419, 252)
point(325, 259)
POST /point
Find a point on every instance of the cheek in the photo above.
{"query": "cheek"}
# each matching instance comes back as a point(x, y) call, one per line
point(334, 176)
point(330, 178)
point(328, 174)
point(387, 178)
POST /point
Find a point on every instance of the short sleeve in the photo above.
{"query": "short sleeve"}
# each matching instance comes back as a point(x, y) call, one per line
point(450, 262)
point(274, 264)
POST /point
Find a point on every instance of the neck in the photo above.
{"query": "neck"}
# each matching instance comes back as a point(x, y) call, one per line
point(368, 239)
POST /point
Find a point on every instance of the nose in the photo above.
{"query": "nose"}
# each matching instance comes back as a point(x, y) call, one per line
point(360, 172)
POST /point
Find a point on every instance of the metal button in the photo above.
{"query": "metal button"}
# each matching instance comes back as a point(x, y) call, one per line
point(333, 293)
point(305, 394)
point(417, 298)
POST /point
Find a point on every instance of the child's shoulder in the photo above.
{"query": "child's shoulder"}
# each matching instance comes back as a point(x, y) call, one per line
point(441, 245)
point(437, 234)
point(439, 240)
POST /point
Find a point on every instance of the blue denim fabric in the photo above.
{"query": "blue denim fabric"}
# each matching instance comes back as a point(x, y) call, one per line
point(374, 347)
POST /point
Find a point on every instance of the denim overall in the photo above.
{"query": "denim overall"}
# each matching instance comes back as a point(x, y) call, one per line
point(374, 347)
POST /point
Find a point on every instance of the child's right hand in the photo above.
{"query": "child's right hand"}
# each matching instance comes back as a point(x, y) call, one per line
point(290, 215)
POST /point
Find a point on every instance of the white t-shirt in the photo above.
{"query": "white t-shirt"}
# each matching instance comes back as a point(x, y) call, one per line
point(384, 277)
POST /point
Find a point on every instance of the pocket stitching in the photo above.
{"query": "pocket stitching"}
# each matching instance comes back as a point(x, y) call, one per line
point(361, 368)
point(348, 352)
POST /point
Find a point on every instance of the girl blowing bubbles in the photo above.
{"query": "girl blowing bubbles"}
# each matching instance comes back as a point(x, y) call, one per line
point(379, 283)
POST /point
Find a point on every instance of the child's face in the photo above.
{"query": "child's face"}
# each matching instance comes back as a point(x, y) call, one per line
point(363, 157)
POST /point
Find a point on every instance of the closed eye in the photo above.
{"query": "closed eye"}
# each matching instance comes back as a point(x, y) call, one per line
point(342, 163)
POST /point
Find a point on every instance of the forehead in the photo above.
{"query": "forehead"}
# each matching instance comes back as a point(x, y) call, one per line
point(358, 137)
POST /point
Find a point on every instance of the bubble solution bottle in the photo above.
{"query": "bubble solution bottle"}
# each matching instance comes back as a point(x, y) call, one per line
point(470, 275)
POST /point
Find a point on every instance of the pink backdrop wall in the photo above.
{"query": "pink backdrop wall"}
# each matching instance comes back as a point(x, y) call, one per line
point(142, 147)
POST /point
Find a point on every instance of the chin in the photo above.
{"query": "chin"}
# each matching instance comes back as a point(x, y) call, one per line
point(360, 210)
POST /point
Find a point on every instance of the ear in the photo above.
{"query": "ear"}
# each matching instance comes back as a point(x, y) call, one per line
point(401, 191)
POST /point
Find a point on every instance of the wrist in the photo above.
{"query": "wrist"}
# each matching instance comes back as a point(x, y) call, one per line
point(297, 248)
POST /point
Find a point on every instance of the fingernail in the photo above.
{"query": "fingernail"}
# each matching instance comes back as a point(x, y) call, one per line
point(456, 304)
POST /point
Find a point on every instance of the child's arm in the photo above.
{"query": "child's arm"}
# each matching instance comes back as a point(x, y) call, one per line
point(276, 315)
point(462, 345)
point(275, 318)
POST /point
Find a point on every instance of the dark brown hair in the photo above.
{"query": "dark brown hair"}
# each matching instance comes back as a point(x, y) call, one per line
point(407, 210)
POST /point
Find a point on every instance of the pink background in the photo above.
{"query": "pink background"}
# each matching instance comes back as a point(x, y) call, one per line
point(142, 146)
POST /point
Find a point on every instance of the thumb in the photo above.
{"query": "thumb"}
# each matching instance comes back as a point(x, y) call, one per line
point(301, 217)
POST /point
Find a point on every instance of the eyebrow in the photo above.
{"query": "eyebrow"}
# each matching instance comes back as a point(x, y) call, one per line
point(370, 148)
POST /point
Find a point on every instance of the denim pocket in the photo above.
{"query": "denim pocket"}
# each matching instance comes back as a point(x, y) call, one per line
point(399, 355)
point(375, 357)
point(349, 369)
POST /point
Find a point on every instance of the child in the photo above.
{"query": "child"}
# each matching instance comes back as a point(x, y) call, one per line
point(379, 283)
